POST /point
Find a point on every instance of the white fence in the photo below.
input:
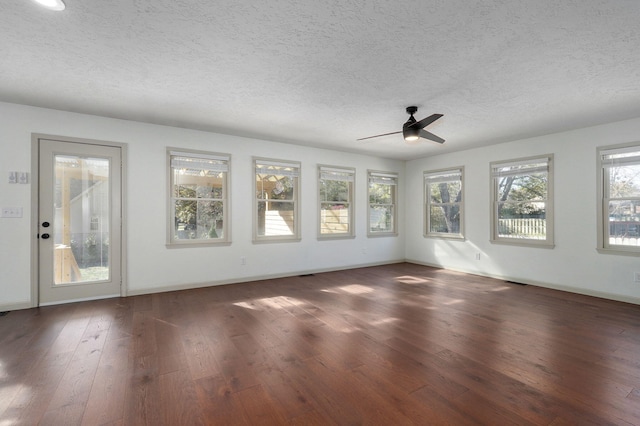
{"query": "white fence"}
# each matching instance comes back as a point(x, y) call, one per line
point(522, 228)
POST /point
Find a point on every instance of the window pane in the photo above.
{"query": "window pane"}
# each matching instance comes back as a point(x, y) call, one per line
point(521, 210)
point(445, 218)
point(276, 187)
point(198, 219)
point(523, 187)
point(334, 218)
point(624, 222)
point(624, 181)
point(275, 218)
point(333, 190)
point(445, 192)
point(522, 220)
point(184, 190)
point(381, 218)
point(380, 193)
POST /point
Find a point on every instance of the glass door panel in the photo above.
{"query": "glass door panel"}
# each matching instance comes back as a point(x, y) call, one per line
point(82, 218)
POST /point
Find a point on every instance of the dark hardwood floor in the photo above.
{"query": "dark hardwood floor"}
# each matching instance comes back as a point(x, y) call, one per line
point(389, 345)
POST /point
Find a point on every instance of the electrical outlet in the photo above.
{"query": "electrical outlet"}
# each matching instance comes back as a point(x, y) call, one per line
point(243, 261)
point(364, 250)
point(477, 256)
point(12, 212)
point(636, 277)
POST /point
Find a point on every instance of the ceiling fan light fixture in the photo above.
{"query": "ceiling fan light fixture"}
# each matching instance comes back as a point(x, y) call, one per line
point(56, 5)
point(410, 134)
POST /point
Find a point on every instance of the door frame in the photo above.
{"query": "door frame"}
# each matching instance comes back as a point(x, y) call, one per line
point(35, 207)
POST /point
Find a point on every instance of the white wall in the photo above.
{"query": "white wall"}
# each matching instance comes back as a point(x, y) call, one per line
point(151, 265)
point(574, 264)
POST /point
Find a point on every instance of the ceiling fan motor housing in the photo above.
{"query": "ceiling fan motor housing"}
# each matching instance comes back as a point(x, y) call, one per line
point(412, 110)
point(409, 133)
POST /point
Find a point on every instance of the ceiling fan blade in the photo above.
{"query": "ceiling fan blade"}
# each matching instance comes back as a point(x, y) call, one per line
point(431, 136)
point(377, 136)
point(425, 121)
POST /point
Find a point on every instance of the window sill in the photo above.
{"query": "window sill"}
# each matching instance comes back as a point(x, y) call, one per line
point(195, 245)
point(456, 237)
point(525, 243)
point(382, 234)
point(337, 237)
point(619, 251)
point(276, 240)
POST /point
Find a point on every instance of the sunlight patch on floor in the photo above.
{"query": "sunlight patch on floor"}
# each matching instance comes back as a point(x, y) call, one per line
point(384, 321)
point(271, 302)
point(408, 279)
point(454, 302)
point(348, 329)
point(246, 306)
point(356, 289)
point(503, 288)
point(294, 301)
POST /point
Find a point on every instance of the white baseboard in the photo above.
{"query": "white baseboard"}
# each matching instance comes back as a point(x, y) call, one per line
point(560, 287)
point(187, 286)
point(15, 306)
point(84, 299)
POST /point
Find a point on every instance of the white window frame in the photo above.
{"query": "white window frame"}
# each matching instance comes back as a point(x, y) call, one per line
point(262, 165)
point(335, 173)
point(388, 178)
point(495, 174)
point(606, 157)
point(221, 163)
point(432, 177)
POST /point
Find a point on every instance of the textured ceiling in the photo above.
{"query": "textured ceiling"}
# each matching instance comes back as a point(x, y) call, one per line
point(324, 73)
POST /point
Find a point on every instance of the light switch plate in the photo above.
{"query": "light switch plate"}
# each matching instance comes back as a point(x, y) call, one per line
point(11, 212)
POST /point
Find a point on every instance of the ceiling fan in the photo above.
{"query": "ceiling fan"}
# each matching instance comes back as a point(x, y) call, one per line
point(412, 130)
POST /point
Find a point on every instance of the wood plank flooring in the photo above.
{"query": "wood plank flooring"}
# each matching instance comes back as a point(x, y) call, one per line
point(390, 345)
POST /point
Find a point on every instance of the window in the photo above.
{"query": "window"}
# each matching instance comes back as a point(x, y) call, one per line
point(382, 203)
point(95, 223)
point(619, 195)
point(276, 201)
point(443, 203)
point(522, 201)
point(199, 192)
point(336, 201)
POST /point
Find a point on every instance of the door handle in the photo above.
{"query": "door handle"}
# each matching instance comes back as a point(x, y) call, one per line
point(45, 236)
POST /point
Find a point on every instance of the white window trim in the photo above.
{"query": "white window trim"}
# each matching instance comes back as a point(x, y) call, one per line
point(226, 212)
point(604, 246)
point(549, 215)
point(382, 174)
point(427, 201)
point(351, 177)
point(296, 200)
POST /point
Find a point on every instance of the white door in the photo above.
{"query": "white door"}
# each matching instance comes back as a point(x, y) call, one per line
point(79, 221)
